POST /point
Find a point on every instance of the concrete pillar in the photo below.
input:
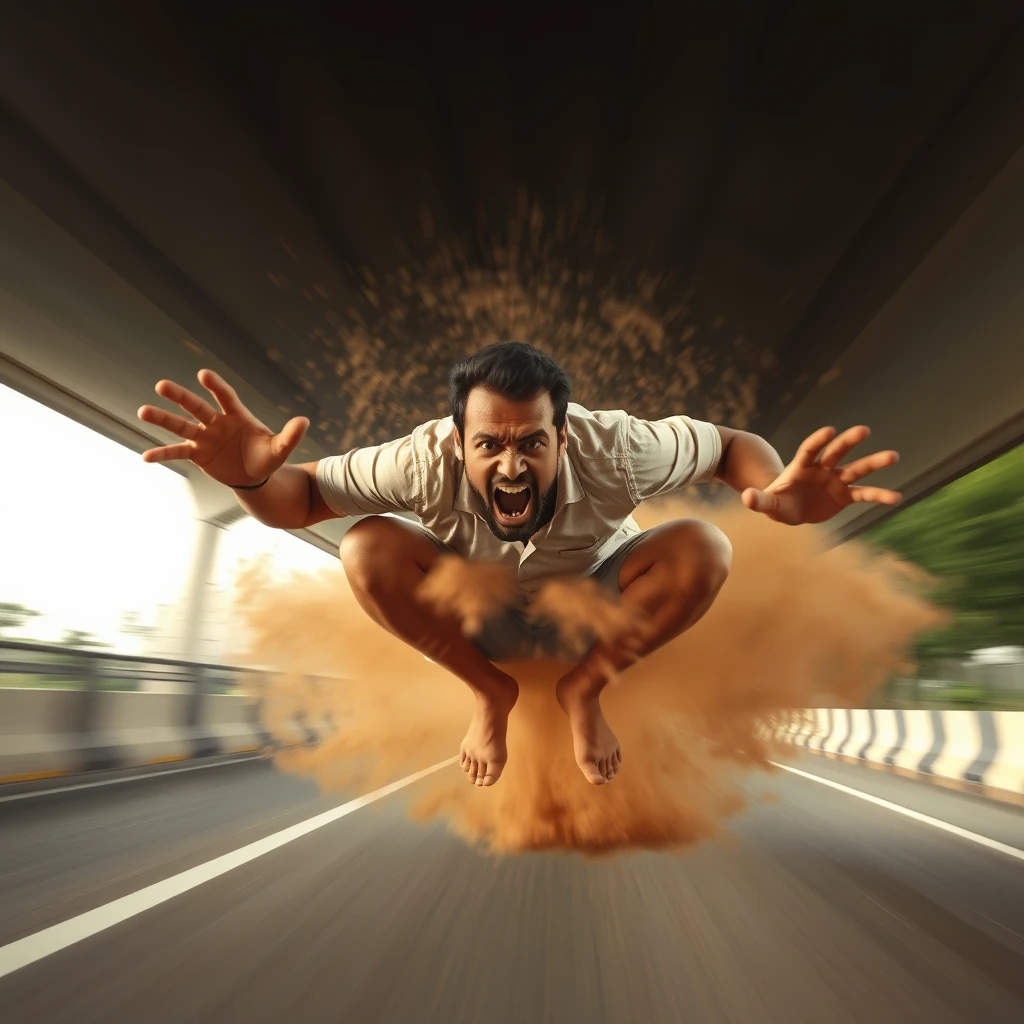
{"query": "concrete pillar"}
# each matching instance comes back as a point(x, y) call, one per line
point(204, 558)
point(216, 509)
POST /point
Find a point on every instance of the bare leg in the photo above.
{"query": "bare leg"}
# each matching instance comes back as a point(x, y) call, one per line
point(385, 560)
point(673, 577)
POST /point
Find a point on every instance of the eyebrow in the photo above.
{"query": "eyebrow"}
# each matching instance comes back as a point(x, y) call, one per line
point(482, 436)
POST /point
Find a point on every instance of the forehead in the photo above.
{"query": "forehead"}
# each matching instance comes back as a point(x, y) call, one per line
point(491, 413)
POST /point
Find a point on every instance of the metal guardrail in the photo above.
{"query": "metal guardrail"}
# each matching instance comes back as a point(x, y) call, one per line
point(93, 670)
point(91, 667)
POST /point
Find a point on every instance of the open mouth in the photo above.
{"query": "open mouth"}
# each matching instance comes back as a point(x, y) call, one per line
point(512, 502)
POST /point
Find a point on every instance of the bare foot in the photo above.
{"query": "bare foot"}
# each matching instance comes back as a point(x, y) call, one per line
point(483, 752)
point(594, 744)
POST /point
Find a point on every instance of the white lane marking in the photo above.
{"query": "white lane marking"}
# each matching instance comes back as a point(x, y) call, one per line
point(127, 778)
point(992, 844)
point(31, 948)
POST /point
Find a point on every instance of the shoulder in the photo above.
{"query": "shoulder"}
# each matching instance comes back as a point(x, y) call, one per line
point(434, 440)
point(434, 454)
point(597, 434)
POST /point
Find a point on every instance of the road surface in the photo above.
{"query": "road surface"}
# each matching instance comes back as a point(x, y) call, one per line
point(822, 907)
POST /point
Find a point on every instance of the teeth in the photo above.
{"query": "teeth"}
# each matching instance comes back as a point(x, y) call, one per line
point(512, 490)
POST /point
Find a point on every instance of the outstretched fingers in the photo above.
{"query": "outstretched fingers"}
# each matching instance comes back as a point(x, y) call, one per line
point(169, 452)
point(227, 397)
point(760, 501)
point(807, 453)
point(876, 494)
point(860, 468)
point(188, 400)
point(841, 446)
point(171, 421)
point(290, 437)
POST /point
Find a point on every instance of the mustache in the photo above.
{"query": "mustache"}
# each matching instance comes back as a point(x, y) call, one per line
point(521, 481)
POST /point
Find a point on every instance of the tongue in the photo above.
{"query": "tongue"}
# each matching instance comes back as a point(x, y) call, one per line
point(512, 504)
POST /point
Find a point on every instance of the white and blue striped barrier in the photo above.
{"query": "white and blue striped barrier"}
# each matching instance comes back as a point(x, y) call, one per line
point(985, 748)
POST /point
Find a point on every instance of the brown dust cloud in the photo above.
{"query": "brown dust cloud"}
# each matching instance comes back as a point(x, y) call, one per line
point(797, 625)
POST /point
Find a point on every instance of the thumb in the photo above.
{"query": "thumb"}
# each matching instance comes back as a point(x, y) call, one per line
point(292, 433)
point(759, 501)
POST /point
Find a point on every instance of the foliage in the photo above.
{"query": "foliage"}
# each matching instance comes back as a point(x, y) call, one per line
point(970, 537)
point(14, 616)
point(78, 638)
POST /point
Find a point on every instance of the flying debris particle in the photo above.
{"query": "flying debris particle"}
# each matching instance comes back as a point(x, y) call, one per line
point(191, 345)
point(320, 290)
point(826, 378)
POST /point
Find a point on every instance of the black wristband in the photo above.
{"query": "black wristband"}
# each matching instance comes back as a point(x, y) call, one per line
point(247, 487)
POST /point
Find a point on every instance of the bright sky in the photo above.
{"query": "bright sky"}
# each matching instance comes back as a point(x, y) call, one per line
point(89, 531)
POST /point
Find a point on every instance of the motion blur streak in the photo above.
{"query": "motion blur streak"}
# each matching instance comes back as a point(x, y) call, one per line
point(795, 624)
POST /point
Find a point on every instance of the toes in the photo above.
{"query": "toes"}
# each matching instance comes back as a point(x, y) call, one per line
point(592, 773)
point(470, 769)
point(481, 773)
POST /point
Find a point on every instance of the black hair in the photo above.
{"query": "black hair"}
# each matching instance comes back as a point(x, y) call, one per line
point(515, 371)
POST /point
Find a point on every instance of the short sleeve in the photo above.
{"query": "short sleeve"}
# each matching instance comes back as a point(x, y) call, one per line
point(667, 454)
point(365, 481)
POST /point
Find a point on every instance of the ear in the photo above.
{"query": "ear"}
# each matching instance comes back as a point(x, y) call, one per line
point(563, 436)
point(458, 446)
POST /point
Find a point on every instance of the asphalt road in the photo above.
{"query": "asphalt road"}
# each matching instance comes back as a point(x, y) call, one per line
point(822, 908)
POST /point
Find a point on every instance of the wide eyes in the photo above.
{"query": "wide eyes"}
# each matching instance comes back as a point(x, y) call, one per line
point(532, 446)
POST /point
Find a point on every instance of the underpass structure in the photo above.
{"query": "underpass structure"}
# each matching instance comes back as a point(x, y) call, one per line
point(774, 219)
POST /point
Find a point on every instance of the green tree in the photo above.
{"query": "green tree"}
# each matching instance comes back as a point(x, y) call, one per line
point(15, 616)
point(78, 638)
point(970, 537)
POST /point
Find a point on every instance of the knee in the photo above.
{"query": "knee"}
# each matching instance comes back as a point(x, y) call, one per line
point(362, 552)
point(703, 553)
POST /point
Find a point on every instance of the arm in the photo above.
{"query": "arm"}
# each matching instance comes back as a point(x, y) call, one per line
point(289, 500)
point(232, 447)
point(813, 487)
point(746, 461)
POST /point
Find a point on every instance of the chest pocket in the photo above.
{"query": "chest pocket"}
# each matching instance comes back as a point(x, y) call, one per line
point(577, 546)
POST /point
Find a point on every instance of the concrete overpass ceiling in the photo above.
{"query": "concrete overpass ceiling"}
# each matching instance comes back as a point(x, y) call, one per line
point(695, 211)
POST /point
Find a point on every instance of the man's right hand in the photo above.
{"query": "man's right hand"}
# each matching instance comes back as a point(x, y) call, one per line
point(229, 445)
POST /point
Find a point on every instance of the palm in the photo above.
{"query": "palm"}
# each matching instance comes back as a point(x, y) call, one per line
point(814, 487)
point(228, 444)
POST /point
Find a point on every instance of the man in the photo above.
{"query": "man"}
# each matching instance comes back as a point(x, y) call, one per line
point(520, 475)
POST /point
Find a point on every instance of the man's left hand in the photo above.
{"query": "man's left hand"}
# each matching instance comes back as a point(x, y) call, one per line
point(814, 487)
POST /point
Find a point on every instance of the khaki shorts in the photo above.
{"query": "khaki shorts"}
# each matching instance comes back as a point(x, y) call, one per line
point(513, 636)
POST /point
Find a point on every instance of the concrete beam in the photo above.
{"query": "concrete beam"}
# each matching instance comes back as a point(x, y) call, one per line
point(937, 374)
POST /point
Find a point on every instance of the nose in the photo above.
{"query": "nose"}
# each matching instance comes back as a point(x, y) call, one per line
point(511, 464)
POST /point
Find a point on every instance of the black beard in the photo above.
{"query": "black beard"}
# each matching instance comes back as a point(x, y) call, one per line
point(520, 534)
